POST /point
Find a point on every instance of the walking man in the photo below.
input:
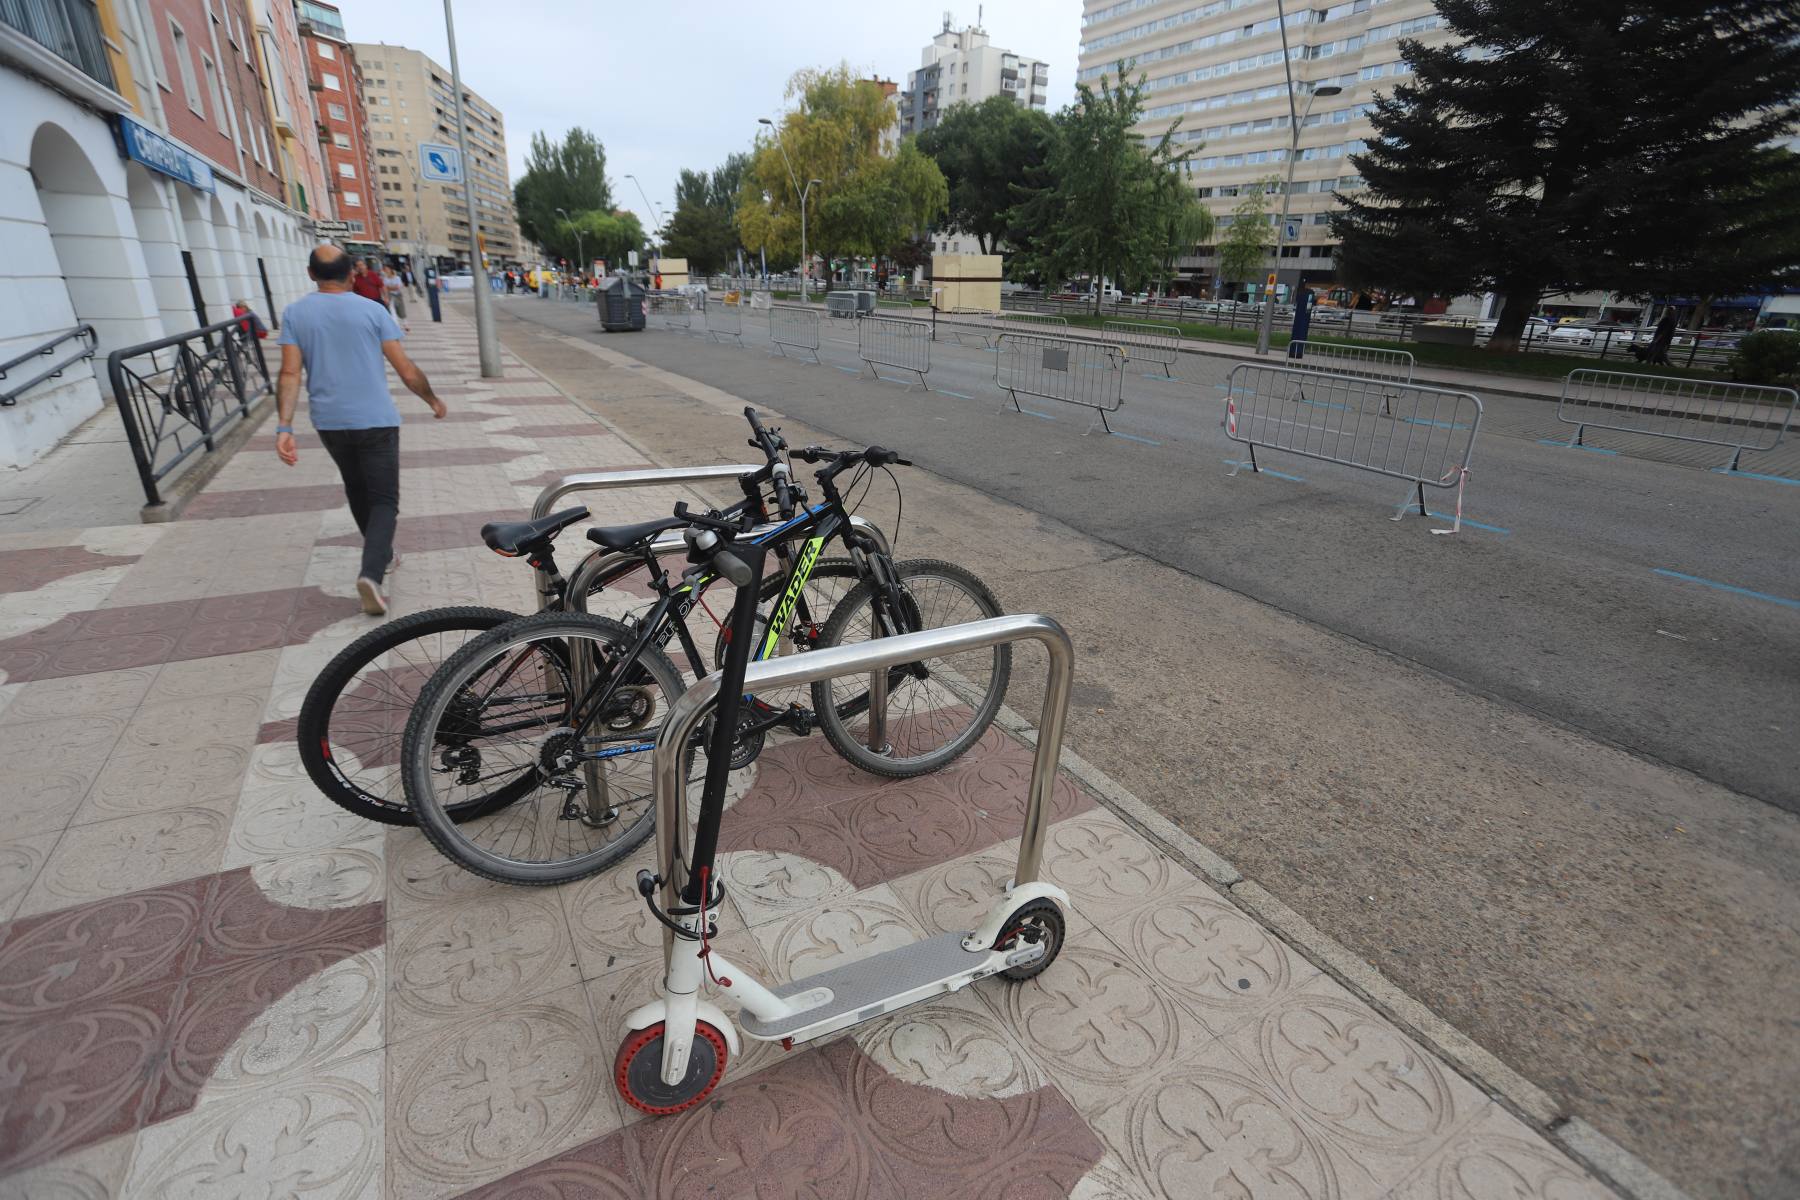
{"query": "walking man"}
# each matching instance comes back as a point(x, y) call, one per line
point(341, 338)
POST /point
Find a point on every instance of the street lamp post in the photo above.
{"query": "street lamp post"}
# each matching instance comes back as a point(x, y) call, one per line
point(485, 338)
point(656, 213)
point(805, 263)
point(1295, 120)
point(580, 253)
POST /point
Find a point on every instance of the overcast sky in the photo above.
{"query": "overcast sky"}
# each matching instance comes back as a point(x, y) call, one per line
point(668, 84)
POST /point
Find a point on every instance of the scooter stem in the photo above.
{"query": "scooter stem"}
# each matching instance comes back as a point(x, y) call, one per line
point(725, 721)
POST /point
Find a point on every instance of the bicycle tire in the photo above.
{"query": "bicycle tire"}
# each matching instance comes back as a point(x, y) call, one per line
point(832, 713)
point(313, 730)
point(445, 832)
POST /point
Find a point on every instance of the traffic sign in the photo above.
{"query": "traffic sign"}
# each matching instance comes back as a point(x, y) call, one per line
point(439, 163)
point(1293, 231)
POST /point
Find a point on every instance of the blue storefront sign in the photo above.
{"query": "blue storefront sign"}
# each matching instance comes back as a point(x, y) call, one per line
point(160, 154)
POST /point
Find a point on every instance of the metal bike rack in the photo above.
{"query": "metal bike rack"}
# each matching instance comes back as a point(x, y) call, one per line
point(872, 656)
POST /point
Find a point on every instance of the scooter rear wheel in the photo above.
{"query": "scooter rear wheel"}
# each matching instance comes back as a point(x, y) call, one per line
point(638, 1070)
point(1039, 919)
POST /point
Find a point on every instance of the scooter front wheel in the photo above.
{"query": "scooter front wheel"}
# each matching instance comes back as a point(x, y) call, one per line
point(638, 1070)
point(1039, 922)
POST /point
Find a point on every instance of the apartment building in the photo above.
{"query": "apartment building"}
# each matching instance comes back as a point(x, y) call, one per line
point(409, 101)
point(301, 162)
point(1215, 66)
point(335, 79)
point(961, 66)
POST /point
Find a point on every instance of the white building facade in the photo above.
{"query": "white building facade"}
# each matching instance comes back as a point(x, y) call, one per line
point(107, 220)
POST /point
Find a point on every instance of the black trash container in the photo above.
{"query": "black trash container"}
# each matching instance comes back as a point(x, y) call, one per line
point(621, 304)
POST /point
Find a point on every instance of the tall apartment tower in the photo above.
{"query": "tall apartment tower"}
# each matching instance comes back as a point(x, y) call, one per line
point(409, 101)
point(335, 77)
point(1216, 66)
point(960, 66)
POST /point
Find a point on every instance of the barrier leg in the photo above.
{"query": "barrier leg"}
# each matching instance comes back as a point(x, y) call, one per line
point(1408, 501)
point(1014, 397)
point(1101, 413)
point(1236, 467)
point(1735, 456)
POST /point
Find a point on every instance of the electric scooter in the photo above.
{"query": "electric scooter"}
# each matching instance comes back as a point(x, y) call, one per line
point(676, 1047)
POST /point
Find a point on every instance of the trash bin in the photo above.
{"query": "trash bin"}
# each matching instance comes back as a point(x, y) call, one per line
point(621, 304)
point(865, 302)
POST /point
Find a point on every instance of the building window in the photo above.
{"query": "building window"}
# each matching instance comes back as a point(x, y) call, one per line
point(327, 51)
point(184, 63)
point(347, 170)
point(212, 88)
point(351, 199)
point(332, 82)
point(337, 112)
point(341, 140)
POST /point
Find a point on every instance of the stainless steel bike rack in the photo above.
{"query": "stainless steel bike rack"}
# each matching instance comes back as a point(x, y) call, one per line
point(865, 657)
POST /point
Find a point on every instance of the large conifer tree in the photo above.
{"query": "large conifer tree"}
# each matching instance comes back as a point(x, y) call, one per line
point(1563, 146)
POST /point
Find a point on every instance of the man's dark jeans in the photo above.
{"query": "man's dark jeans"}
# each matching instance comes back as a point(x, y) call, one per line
point(369, 461)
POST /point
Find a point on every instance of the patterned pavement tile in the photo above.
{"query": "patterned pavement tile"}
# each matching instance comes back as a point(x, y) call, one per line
point(1495, 1155)
point(28, 570)
point(128, 854)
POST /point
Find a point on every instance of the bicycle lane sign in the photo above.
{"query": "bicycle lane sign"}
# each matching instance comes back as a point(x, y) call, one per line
point(439, 163)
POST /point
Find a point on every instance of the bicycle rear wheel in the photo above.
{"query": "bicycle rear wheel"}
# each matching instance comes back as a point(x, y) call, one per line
point(499, 708)
point(352, 720)
point(936, 707)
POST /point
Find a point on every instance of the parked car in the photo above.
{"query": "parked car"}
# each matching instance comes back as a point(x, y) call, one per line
point(1571, 335)
point(459, 281)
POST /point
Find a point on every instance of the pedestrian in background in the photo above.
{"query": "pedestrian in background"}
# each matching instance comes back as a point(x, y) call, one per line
point(366, 283)
point(341, 342)
point(1657, 352)
point(248, 321)
point(396, 296)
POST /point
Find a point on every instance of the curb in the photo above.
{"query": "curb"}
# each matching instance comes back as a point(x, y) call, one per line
point(1623, 1171)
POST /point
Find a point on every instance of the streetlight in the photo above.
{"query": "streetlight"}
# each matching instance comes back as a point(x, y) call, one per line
point(805, 263)
point(654, 211)
point(486, 339)
point(580, 254)
point(1295, 121)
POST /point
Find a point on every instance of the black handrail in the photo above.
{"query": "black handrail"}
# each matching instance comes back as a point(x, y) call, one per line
point(192, 387)
point(85, 333)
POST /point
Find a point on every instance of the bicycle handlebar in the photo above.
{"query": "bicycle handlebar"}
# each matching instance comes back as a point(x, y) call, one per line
point(772, 444)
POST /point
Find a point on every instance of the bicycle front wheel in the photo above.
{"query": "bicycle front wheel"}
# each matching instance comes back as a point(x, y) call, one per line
point(937, 707)
point(501, 708)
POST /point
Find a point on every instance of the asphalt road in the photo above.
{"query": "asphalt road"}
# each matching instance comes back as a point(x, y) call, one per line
point(1651, 604)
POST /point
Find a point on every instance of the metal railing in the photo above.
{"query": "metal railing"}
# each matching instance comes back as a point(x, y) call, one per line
point(1159, 344)
point(725, 320)
point(69, 29)
point(1072, 370)
point(1368, 362)
point(676, 310)
point(84, 334)
point(1424, 435)
point(794, 326)
point(1736, 416)
point(177, 394)
point(897, 342)
point(875, 657)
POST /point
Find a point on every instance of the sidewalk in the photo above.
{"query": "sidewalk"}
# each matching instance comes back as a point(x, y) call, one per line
point(212, 982)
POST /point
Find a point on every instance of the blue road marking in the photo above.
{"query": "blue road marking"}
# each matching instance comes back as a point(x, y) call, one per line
point(958, 395)
point(1232, 462)
point(1562, 445)
point(1466, 521)
point(1435, 424)
point(1755, 475)
point(1032, 412)
point(1727, 587)
point(1135, 438)
point(846, 370)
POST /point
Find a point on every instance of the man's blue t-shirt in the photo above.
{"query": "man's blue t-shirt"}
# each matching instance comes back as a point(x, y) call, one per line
point(340, 336)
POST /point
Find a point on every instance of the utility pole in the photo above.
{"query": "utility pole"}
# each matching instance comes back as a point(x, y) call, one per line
point(805, 263)
point(1295, 120)
point(485, 338)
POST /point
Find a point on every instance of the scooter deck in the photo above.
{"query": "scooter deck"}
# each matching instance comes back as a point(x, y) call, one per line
point(873, 986)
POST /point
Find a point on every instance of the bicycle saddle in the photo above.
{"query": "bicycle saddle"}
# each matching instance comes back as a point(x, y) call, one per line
point(515, 539)
point(620, 537)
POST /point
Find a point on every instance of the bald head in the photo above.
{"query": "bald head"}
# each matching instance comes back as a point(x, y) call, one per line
point(328, 264)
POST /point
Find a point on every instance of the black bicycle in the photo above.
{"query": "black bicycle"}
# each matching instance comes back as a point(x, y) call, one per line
point(560, 710)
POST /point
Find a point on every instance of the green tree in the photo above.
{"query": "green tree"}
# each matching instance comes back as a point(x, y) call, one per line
point(1187, 224)
point(603, 235)
point(1561, 147)
point(1748, 237)
point(703, 229)
point(864, 203)
point(985, 150)
point(1244, 250)
point(569, 175)
point(1106, 208)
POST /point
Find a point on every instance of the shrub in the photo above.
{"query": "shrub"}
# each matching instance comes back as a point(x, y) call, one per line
point(1769, 357)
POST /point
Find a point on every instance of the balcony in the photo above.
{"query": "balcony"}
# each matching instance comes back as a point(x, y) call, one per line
point(60, 41)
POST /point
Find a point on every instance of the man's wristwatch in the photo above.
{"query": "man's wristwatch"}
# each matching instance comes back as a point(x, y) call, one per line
point(281, 429)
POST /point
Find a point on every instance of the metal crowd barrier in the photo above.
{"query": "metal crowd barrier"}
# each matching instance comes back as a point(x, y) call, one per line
point(1152, 343)
point(876, 657)
point(1736, 416)
point(794, 326)
point(676, 310)
point(1424, 435)
point(1089, 374)
point(841, 304)
point(1369, 362)
point(725, 320)
point(898, 342)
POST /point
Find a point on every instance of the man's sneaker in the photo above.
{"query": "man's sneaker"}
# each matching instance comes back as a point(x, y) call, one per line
point(373, 602)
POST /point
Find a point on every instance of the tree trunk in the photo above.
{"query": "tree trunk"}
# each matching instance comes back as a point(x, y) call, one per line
point(1701, 311)
point(1515, 310)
